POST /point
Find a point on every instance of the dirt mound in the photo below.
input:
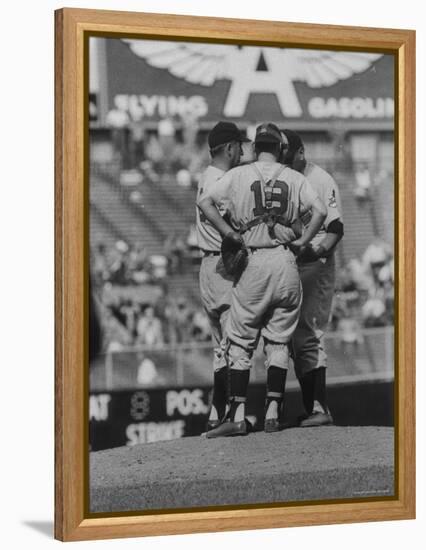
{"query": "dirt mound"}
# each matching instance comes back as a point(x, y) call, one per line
point(298, 464)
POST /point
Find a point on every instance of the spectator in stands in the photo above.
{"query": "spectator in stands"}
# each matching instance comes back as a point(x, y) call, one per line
point(385, 274)
point(128, 313)
point(147, 168)
point(363, 182)
point(183, 178)
point(100, 264)
point(138, 264)
point(374, 311)
point(116, 335)
point(155, 155)
point(388, 296)
point(338, 310)
point(117, 120)
point(167, 140)
point(147, 374)
point(178, 315)
point(347, 285)
point(350, 331)
point(190, 128)
point(199, 160)
point(377, 256)
point(158, 264)
point(200, 331)
point(149, 329)
point(175, 252)
point(136, 142)
point(359, 275)
point(183, 317)
point(118, 267)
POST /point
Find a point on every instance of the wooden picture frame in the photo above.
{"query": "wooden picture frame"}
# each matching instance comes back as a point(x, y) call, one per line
point(72, 26)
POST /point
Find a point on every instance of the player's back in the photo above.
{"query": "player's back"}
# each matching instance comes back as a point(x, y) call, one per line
point(319, 178)
point(208, 237)
point(247, 201)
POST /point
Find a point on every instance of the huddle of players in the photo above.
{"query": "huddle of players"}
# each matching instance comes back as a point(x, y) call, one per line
point(286, 212)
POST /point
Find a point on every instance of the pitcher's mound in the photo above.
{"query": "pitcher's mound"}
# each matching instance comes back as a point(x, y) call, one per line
point(293, 465)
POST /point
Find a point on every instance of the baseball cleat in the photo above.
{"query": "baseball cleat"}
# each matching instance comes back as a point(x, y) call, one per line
point(212, 424)
point(227, 429)
point(273, 425)
point(317, 419)
point(249, 426)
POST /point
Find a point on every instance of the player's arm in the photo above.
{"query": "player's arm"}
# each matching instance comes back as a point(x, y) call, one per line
point(310, 201)
point(333, 223)
point(208, 206)
point(334, 233)
point(209, 203)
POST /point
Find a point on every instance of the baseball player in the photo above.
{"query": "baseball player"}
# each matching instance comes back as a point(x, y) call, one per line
point(224, 141)
point(263, 199)
point(317, 273)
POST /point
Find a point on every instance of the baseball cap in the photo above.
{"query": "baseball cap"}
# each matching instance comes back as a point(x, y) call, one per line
point(269, 133)
point(293, 139)
point(224, 132)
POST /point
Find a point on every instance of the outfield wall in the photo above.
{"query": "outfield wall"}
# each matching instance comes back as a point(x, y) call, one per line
point(128, 418)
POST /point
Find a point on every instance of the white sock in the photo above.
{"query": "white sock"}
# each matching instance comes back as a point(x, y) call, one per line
point(213, 413)
point(272, 411)
point(318, 407)
point(240, 413)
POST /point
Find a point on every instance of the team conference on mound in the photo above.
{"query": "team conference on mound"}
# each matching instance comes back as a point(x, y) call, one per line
point(268, 222)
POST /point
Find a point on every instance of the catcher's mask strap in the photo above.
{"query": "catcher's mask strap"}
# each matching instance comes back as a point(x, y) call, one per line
point(269, 185)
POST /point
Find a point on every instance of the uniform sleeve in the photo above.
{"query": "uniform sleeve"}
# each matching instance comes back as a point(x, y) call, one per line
point(307, 196)
point(219, 190)
point(332, 201)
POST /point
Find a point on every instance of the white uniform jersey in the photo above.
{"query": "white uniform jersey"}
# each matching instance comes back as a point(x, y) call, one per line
point(208, 237)
point(241, 191)
point(327, 190)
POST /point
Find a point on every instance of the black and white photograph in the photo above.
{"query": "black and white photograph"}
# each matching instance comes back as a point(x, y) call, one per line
point(241, 238)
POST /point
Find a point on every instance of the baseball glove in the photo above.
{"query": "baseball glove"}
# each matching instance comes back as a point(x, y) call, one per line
point(308, 254)
point(234, 254)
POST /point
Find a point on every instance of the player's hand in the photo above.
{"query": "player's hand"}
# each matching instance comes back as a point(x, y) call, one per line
point(297, 246)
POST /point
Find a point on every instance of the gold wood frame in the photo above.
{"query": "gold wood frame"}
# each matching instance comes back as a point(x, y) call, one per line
point(71, 260)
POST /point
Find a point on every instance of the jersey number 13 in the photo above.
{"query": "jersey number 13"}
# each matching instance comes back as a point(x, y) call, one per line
point(279, 195)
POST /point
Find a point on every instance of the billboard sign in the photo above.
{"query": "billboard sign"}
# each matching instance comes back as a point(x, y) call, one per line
point(155, 79)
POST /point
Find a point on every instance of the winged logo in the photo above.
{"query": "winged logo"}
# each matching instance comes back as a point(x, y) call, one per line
point(253, 69)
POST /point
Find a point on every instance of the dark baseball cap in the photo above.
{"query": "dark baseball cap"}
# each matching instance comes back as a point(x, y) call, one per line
point(268, 133)
point(224, 132)
point(294, 140)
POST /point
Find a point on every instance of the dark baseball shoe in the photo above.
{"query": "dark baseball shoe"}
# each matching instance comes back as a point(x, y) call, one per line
point(273, 425)
point(317, 419)
point(227, 429)
point(212, 424)
point(249, 426)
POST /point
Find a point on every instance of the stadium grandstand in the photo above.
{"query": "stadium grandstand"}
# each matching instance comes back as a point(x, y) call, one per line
point(148, 129)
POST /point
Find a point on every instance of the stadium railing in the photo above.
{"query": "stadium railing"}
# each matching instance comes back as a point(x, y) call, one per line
point(189, 364)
